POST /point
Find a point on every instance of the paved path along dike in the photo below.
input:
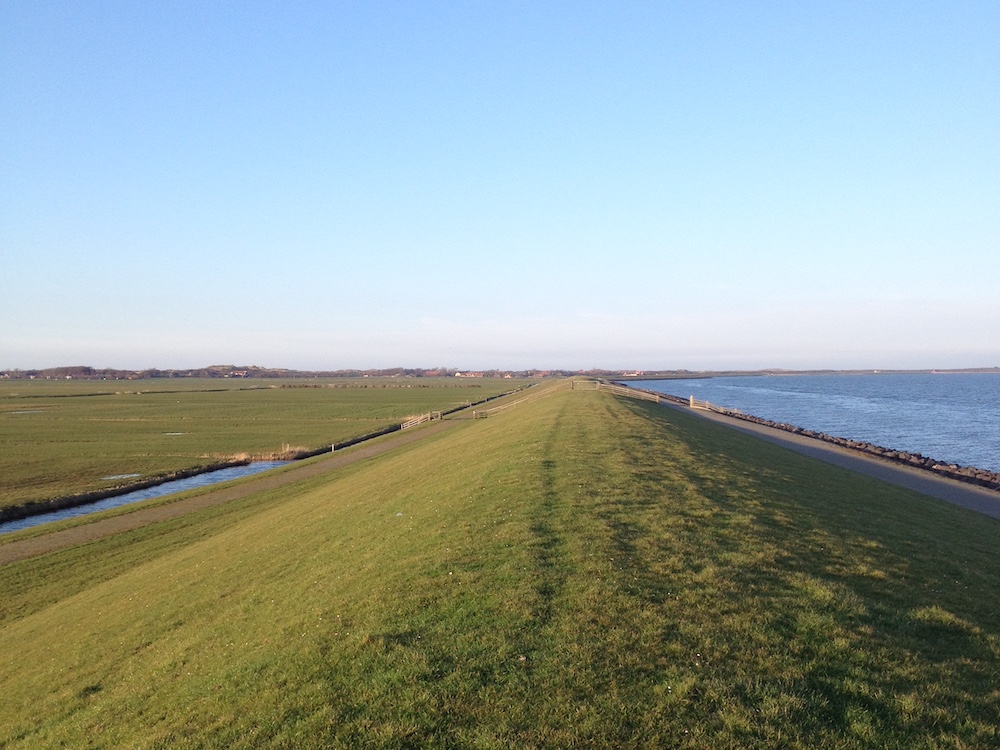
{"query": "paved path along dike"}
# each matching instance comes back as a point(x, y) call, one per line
point(90, 532)
point(979, 499)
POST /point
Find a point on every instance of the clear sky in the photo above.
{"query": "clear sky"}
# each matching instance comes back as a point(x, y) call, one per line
point(323, 185)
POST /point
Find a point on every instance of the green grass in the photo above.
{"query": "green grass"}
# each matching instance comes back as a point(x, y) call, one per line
point(64, 438)
point(575, 571)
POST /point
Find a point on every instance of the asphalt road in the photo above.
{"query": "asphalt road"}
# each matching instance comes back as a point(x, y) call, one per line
point(979, 499)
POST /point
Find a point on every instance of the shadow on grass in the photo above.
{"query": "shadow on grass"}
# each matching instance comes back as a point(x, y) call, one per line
point(552, 576)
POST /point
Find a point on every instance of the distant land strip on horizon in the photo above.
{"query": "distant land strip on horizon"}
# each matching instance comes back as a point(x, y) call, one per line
point(83, 372)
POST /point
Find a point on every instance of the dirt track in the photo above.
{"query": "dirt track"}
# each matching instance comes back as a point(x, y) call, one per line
point(39, 545)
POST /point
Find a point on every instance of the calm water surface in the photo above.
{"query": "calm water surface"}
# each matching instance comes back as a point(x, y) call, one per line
point(167, 488)
point(952, 417)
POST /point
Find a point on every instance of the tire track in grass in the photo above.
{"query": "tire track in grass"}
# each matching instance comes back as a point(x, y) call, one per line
point(547, 539)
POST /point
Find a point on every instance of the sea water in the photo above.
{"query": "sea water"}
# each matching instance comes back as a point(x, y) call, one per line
point(951, 417)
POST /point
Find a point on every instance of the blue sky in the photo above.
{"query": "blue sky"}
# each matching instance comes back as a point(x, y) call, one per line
point(542, 184)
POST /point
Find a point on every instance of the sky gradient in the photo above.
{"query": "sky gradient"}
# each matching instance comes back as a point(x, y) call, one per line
point(499, 184)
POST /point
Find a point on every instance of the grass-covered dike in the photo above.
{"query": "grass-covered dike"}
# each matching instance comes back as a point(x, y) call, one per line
point(577, 571)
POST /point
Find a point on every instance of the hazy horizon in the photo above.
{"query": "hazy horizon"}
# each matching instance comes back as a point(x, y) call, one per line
point(457, 369)
point(521, 185)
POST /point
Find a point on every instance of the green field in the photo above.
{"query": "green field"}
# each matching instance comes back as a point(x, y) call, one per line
point(577, 571)
point(61, 438)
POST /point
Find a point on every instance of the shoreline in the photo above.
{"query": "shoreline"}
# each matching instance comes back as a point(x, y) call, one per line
point(777, 373)
point(970, 492)
point(968, 474)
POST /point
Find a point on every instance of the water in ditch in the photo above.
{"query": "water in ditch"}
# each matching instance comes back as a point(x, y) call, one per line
point(160, 490)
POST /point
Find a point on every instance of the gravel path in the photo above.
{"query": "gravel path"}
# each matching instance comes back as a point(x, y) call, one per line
point(979, 499)
point(39, 545)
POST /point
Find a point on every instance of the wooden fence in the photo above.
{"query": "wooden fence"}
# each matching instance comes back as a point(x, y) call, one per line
point(414, 421)
point(642, 394)
point(620, 390)
point(695, 403)
point(533, 396)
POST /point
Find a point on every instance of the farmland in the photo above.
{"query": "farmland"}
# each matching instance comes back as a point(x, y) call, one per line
point(578, 570)
point(61, 438)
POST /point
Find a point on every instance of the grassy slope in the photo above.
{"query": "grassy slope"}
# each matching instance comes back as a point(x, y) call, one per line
point(60, 438)
point(579, 570)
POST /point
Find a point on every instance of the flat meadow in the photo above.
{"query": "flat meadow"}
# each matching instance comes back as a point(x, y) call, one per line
point(60, 438)
point(580, 570)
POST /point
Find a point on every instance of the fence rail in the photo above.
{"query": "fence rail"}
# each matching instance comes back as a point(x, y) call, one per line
point(620, 390)
point(642, 394)
point(414, 421)
point(695, 403)
point(534, 396)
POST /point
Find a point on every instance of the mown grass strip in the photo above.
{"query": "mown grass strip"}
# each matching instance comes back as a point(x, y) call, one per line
point(578, 571)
